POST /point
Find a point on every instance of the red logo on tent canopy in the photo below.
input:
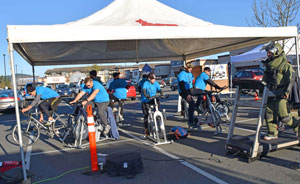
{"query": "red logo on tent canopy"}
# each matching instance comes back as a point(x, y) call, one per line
point(145, 23)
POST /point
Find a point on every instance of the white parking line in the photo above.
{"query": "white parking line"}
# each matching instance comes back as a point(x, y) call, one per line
point(67, 149)
point(187, 164)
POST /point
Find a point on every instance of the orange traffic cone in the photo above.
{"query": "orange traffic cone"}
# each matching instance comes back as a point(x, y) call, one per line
point(256, 97)
point(92, 139)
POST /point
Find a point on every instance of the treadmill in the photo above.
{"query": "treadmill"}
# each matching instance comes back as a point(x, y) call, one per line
point(254, 146)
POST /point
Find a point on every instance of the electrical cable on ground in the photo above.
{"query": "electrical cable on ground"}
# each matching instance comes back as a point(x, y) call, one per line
point(54, 178)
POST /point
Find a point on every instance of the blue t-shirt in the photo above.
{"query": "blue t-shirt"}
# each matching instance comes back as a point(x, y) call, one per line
point(102, 95)
point(46, 93)
point(119, 86)
point(187, 78)
point(201, 81)
point(151, 90)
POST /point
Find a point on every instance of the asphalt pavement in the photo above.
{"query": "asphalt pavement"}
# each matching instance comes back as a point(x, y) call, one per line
point(201, 158)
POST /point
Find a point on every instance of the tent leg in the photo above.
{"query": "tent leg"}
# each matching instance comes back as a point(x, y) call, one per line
point(17, 108)
point(33, 75)
point(297, 54)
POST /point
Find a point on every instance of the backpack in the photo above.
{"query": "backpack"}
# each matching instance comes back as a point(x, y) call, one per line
point(179, 132)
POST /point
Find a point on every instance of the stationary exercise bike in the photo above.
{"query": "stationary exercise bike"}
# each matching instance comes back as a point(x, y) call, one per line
point(156, 125)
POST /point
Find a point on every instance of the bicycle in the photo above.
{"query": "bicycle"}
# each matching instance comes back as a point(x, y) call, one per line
point(209, 114)
point(119, 114)
point(156, 125)
point(32, 127)
point(80, 127)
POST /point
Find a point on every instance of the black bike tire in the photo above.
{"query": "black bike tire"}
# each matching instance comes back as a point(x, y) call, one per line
point(224, 106)
point(64, 128)
point(25, 133)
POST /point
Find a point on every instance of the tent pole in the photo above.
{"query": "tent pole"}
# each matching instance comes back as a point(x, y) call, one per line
point(33, 75)
point(136, 51)
point(17, 108)
point(297, 54)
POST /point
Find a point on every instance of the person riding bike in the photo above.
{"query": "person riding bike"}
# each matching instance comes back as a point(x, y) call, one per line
point(46, 99)
point(200, 84)
point(185, 84)
point(150, 88)
point(279, 77)
point(97, 97)
point(117, 91)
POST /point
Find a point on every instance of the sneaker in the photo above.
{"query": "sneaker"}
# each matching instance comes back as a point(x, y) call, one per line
point(106, 130)
point(147, 133)
point(270, 137)
point(49, 122)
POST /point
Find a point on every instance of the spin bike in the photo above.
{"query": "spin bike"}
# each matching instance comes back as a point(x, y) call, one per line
point(119, 114)
point(208, 114)
point(80, 128)
point(156, 125)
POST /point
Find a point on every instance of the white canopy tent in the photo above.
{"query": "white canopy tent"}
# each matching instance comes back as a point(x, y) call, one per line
point(255, 54)
point(131, 31)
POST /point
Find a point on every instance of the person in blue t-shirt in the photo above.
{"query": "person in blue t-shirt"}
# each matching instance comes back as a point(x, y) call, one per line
point(150, 88)
point(185, 84)
point(97, 97)
point(200, 84)
point(117, 91)
point(46, 99)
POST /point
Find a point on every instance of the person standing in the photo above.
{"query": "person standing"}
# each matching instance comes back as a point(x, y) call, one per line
point(185, 84)
point(279, 77)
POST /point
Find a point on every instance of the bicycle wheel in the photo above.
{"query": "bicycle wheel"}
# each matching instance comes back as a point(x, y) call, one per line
point(62, 128)
point(30, 133)
point(159, 123)
point(223, 108)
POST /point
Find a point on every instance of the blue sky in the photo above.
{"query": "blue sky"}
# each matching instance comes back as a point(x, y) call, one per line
point(47, 12)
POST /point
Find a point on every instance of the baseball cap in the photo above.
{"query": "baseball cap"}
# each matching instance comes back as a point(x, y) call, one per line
point(189, 65)
point(116, 74)
point(151, 76)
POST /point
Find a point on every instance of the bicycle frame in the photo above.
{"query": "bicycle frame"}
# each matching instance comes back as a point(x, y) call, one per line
point(153, 120)
point(210, 111)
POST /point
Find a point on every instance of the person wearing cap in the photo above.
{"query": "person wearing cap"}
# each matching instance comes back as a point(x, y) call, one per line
point(45, 98)
point(150, 88)
point(200, 84)
point(93, 75)
point(97, 97)
point(279, 77)
point(185, 84)
point(117, 90)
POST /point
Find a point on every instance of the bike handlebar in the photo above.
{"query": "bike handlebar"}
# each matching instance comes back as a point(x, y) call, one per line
point(159, 96)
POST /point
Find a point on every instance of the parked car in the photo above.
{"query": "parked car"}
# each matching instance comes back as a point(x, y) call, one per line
point(64, 90)
point(174, 84)
point(131, 92)
point(161, 83)
point(256, 74)
point(7, 100)
point(75, 88)
point(25, 94)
